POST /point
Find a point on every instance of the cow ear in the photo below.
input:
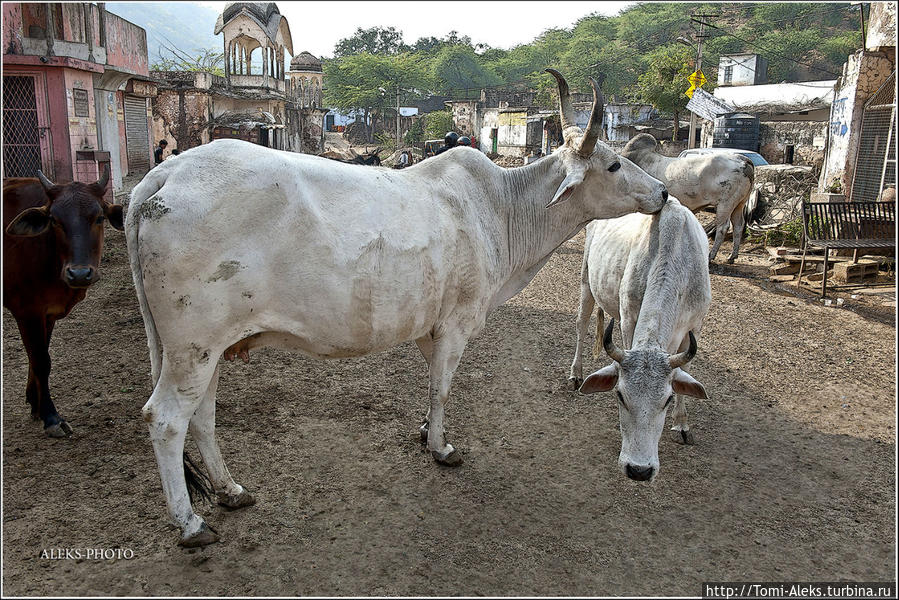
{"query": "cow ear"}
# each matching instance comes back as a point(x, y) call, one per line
point(682, 383)
point(116, 216)
point(567, 187)
point(601, 381)
point(30, 222)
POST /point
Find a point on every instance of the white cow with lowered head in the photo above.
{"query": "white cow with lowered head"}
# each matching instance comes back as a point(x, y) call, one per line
point(722, 181)
point(649, 273)
point(235, 246)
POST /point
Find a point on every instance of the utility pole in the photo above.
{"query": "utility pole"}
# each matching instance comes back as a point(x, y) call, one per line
point(691, 142)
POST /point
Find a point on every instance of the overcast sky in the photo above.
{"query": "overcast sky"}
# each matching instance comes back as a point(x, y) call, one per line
point(318, 26)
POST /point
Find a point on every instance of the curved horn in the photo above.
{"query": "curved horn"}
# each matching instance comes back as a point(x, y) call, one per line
point(611, 349)
point(682, 358)
point(104, 178)
point(44, 181)
point(566, 112)
point(594, 126)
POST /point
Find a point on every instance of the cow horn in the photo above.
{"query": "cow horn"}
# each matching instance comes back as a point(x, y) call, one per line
point(611, 349)
point(682, 358)
point(104, 178)
point(594, 125)
point(566, 112)
point(44, 181)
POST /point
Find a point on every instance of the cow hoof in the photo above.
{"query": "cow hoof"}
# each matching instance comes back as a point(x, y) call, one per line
point(683, 437)
point(731, 260)
point(244, 498)
point(201, 537)
point(574, 383)
point(423, 432)
point(58, 430)
point(450, 457)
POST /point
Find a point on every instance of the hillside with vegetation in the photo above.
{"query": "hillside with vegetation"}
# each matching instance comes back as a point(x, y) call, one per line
point(636, 52)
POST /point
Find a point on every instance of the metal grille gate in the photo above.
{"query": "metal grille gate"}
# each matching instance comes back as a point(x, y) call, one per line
point(137, 140)
point(875, 163)
point(21, 132)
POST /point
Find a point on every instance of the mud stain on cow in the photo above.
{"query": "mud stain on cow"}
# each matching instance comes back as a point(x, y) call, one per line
point(153, 208)
point(226, 270)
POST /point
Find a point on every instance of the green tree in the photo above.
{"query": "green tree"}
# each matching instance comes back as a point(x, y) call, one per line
point(368, 83)
point(172, 59)
point(438, 123)
point(456, 67)
point(665, 80)
point(374, 40)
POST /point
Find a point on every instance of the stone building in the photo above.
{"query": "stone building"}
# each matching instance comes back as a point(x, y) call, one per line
point(75, 93)
point(255, 100)
point(861, 148)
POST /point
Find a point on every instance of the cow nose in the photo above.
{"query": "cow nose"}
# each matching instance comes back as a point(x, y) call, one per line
point(639, 473)
point(80, 276)
point(664, 194)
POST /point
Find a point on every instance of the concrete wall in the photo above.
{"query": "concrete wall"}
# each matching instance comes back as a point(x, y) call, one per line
point(82, 130)
point(181, 117)
point(881, 26)
point(12, 28)
point(863, 74)
point(126, 46)
point(747, 69)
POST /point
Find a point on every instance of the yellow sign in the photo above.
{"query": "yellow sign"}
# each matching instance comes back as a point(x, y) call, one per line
point(696, 79)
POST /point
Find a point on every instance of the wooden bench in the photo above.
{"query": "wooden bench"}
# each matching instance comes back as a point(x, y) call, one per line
point(839, 225)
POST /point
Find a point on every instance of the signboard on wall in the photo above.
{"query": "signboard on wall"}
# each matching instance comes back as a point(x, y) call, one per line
point(82, 107)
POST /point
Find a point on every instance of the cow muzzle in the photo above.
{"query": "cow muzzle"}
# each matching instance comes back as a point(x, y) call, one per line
point(80, 276)
point(639, 473)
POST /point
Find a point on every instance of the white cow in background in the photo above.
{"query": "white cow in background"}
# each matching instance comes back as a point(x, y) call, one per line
point(650, 274)
point(701, 181)
point(235, 246)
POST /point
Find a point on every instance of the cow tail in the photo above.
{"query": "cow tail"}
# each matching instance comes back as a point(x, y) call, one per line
point(146, 188)
point(198, 484)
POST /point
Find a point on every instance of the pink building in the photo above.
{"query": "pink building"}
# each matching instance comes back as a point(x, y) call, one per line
point(76, 93)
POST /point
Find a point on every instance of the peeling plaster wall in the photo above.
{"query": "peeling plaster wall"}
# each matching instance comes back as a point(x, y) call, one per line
point(863, 74)
point(807, 137)
point(82, 130)
point(126, 45)
point(881, 26)
point(182, 118)
point(12, 28)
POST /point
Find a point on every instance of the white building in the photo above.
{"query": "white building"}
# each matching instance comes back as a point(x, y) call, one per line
point(742, 69)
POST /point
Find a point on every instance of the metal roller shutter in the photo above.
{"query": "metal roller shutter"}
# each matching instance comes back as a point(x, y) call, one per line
point(137, 138)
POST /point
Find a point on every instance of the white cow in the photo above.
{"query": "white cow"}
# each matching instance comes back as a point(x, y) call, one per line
point(650, 274)
point(235, 246)
point(701, 181)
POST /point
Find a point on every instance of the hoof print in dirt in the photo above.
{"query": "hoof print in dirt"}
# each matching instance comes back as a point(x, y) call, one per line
point(231, 502)
point(203, 537)
point(58, 430)
point(679, 436)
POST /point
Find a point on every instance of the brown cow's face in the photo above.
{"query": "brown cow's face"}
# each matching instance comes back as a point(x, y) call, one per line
point(75, 215)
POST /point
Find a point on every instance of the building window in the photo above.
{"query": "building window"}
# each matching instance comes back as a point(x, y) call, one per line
point(728, 74)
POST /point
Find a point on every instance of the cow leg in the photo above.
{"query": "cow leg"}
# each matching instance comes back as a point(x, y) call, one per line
point(721, 223)
point(444, 361)
point(426, 346)
point(576, 374)
point(738, 220)
point(36, 338)
point(175, 399)
point(680, 430)
point(202, 430)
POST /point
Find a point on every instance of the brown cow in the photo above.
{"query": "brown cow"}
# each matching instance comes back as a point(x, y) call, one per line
point(52, 242)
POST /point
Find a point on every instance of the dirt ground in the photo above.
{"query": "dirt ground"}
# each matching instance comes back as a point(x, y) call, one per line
point(792, 476)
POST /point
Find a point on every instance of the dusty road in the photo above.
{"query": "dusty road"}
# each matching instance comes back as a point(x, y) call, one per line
point(792, 476)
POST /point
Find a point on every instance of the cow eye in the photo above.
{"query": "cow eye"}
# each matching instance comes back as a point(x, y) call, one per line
point(615, 166)
point(621, 400)
point(668, 401)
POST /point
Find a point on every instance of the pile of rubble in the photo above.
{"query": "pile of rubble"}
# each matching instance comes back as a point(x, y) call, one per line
point(780, 190)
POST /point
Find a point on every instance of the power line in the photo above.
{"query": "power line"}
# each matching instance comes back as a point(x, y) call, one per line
point(768, 50)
